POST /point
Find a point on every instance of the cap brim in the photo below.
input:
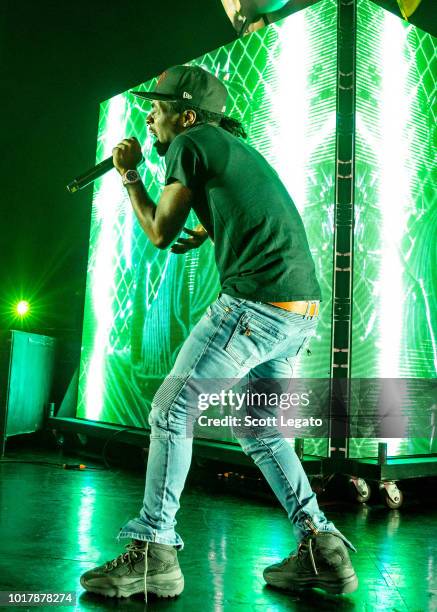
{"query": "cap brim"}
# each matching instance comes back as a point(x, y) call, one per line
point(151, 95)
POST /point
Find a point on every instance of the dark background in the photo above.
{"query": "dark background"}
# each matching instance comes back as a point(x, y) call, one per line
point(59, 60)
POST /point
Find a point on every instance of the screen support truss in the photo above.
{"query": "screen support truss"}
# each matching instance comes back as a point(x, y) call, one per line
point(341, 338)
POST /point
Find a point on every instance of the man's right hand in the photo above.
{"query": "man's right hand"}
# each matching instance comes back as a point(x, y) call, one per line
point(198, 237)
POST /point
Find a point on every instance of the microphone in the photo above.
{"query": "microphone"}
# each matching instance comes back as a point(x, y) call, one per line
point(92, 174)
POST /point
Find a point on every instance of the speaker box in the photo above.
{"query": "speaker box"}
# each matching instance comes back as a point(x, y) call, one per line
point(26, 375)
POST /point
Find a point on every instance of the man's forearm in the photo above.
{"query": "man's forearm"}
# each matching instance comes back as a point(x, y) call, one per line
point(126, 156)
point(145, 209)
point(163, 221)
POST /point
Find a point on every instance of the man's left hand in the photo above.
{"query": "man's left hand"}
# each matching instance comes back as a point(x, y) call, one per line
point(127, 155)
point(198, 237)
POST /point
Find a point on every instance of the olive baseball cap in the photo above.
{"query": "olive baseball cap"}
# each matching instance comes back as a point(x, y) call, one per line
point(190, 83)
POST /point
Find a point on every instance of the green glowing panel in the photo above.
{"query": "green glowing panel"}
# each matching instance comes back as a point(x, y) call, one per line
point(395, 272)
point(141, 302)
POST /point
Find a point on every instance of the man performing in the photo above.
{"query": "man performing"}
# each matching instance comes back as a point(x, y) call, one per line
point(264, 315)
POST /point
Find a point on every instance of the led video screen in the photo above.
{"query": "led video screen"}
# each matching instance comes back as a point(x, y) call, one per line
point(395, 252)
point(141, 302)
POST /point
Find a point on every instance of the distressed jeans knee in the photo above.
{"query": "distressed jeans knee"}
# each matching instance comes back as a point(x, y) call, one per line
point(158, 422)
point(173, 420)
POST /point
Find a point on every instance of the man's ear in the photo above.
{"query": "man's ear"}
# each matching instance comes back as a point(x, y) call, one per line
point(189, 118)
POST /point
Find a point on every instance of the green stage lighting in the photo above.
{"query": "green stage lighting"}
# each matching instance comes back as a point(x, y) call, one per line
point(22, 308)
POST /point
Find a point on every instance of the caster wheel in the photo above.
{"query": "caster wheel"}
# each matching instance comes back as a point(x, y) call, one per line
point(360, 490)
point(392, 496)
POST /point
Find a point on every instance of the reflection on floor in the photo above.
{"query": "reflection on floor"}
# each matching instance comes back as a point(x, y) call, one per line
point(55, 524)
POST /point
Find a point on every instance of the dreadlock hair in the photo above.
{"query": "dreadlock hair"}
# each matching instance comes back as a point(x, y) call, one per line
point(233, 126)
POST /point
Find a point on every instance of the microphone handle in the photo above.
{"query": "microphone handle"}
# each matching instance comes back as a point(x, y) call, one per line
point(90, 175)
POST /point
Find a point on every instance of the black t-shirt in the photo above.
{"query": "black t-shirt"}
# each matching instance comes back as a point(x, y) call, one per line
point(261, 248)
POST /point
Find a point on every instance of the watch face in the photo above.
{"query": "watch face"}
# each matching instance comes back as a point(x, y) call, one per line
point(131, 175)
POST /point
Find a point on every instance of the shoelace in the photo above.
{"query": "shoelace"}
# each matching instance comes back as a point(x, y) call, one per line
point(133, 552)
point(145, 570)
point(301, 550)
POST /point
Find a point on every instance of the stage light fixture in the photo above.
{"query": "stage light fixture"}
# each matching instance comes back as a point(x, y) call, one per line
point(22, 308)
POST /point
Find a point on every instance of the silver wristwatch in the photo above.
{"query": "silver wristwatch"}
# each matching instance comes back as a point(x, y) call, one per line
point(130, 177)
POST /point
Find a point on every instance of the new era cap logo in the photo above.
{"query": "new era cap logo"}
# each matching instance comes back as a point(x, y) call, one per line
point(187, 95)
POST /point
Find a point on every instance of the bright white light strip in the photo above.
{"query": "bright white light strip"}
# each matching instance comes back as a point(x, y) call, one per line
point(394, 190)
point(394, 194)
point(290, 106)
point(297, 140)
point(101, 279)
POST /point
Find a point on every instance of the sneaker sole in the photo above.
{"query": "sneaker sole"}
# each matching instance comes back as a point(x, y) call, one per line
point(159, 587)
point(339, 587)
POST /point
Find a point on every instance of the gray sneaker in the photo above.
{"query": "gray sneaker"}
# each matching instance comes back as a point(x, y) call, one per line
point(321, 561)
point(146, 567)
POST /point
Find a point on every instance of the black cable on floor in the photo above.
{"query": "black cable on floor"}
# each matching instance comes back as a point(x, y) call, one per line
point(63, 466)
point(74, 466)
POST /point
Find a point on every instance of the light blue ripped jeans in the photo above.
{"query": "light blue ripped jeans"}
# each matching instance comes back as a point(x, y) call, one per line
point(219, 348)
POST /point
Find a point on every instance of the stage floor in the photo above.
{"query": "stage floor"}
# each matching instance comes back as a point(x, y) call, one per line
point(55, 524)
